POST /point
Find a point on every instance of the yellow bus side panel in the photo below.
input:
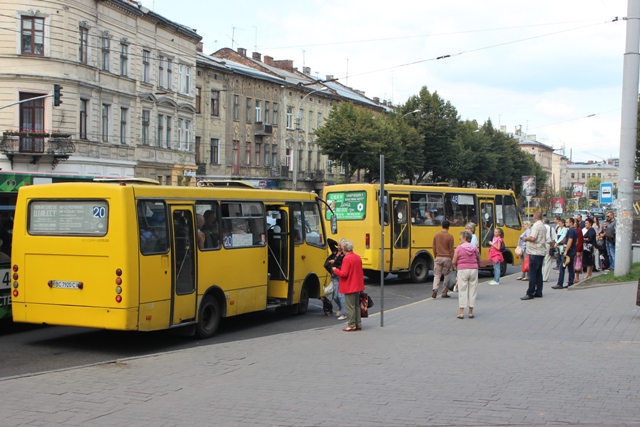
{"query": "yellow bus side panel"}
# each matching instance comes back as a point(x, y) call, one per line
point(232, 302)
point(252, 299)
point(155, 278)
point(159, 313)
point(92, 317)
point(278, 289)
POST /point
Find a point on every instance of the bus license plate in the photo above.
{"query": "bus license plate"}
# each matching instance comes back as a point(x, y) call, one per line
point(63, 284)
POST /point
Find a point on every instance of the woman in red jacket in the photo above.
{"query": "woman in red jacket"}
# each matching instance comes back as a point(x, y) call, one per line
point(351, 284)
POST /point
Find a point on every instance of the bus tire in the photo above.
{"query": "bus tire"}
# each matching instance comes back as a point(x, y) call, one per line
point(374, 275)
point(503, 268)
point(208, 317)
point(303, 305)
point(419, 270)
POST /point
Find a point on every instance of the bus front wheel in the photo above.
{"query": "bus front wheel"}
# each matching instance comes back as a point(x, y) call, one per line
point(303, 305)
point(419, 270)
point(208, 318)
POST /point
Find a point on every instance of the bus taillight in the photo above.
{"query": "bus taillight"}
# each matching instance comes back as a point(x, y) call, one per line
point(367, 240)
point(118, 298)
point(15, 267)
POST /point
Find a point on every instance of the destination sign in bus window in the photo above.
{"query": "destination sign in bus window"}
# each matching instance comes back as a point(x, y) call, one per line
point(350, 205)
point(75, 217)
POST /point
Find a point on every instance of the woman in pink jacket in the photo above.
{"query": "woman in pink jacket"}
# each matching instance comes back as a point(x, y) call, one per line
point(351, 284)
point(466, 260)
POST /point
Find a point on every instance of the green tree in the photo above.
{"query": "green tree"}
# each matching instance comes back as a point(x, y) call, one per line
point(437, 123)
point(593, 183)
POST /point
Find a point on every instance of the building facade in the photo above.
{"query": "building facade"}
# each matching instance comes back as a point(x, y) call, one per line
point(128, 83)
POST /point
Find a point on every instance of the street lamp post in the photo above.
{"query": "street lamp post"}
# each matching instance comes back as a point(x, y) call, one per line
point(411, 112)
point(295, 153)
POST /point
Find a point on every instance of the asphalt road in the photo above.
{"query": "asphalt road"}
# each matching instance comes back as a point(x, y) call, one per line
point(33, 348)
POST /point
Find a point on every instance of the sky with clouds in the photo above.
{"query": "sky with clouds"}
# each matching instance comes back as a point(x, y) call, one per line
point(553, 67)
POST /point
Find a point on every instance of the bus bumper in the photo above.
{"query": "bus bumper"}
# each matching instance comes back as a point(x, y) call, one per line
point(64, 315)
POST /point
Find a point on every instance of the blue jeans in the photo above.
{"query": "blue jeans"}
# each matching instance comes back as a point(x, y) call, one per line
point(535, 275)
point(611, 252)
point(338, 297)
point(572, 272)
point(496, 272)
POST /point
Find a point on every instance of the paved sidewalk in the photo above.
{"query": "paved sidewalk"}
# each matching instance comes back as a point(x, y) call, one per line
point(567, 358)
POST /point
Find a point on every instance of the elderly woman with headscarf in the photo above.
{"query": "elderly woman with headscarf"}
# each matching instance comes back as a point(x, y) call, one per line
point(351, 284)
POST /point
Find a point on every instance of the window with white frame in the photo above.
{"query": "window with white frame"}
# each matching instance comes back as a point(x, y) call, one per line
point(258, 111)
point(274, 121)
point(124, 59)
point(105, 123)
point(84, 108)
point(169, 74)
point(145, 65)
point(310, 124)
point(124, 116)
point(289, 117)
point(215, 151)
point(146, 117)
point(319, 122)
point(180, 134)
point(160, 131)
point(180, 77)
point(167, 132)
point(187, 135)
point(267, 155)
point(215, 103)
point(83, 45)
point(106, 52)
point(258, 154)
point(187, 80)
point(288, 159)
point(266, 113)
point(160, 71)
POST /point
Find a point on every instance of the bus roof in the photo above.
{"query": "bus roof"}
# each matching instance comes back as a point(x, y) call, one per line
point(409, 188)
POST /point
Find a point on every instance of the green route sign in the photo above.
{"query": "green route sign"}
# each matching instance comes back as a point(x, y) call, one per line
point(351, 205)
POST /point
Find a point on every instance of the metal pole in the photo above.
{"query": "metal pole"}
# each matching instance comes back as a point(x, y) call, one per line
point(381, 240)
point(27, 100)
point(628, 131)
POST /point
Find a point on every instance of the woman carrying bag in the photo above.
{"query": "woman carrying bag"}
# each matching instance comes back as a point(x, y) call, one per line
point(521, 250)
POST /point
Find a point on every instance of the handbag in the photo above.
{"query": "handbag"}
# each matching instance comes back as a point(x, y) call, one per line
point(578, 263)
point(450, 282)
point(328, 290)
point(525, 264)
point(552, 251)
point(519, 250)
point(329, 266)
point(364, 304)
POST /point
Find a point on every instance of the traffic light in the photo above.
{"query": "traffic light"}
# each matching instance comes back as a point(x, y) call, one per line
point(57, 94)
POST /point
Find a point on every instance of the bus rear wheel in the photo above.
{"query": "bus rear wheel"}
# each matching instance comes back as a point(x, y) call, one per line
point(208, 317)
point(303, 305)
point(419, 270)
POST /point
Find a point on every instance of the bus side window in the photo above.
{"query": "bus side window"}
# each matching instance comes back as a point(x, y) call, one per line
point(152, 227)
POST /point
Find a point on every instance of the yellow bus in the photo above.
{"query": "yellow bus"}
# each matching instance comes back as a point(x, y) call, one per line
point(413, 215)
point(133, 256)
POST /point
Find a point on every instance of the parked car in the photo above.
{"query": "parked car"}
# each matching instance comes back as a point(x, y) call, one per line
point(598, 213)
point(584, 213)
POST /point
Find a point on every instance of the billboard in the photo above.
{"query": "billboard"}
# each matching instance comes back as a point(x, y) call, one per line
point(578, 189)
point(529, 186)
point(558, 205)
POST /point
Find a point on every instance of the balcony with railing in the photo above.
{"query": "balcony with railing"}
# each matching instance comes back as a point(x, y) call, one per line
point(37, 144)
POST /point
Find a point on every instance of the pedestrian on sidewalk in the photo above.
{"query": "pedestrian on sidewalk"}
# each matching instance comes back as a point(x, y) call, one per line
point(337, 296)
point(351, 284)
point(495, 255)
point(568, 255)
point(596, 250)
point(466, 260)
point(611, 240)
point(561, 240)
point(536, 244)
point(588, 247)
point(550, 251)
point(523, 245)
point(443, 251)
point(579, 248)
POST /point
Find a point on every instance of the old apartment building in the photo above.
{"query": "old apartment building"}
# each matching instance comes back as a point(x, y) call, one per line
point(128, 79)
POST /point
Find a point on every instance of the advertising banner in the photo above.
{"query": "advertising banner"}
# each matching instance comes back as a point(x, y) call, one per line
point(529, 186)
point(558, 205)
point(578, 189)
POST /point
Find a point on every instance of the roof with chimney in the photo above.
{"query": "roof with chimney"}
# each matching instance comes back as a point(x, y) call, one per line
point(238, 68)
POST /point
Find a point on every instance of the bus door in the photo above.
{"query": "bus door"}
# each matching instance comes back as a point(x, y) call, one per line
point(400, 250)
point(183, 307)
point(487, 227)
point(280, 282)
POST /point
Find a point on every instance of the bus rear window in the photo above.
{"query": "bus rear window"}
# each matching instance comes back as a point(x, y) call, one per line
point(348, 205)
point(68, 217)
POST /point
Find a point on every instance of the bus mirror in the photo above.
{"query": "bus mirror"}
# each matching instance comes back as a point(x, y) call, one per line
point(334, 224)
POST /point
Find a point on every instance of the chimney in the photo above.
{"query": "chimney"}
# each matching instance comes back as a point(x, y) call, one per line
point(306, 70)
point(199, 47)
point(268, 60)
point(384, 102)
point(242, 51)
point(284, 64)
point(503, 128)
point(257, 56)
point(329, 77)
point(376, 100)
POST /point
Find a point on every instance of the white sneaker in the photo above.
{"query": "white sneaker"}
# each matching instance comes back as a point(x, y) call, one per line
point(494, 283)
point(343, 317)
